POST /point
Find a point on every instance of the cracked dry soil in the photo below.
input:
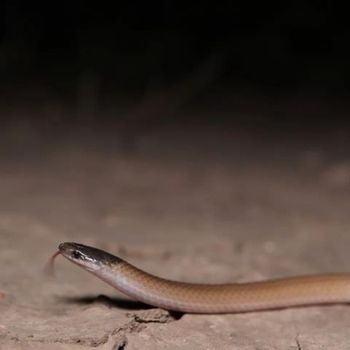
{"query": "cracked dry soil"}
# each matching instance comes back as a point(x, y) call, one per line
point(223, 207)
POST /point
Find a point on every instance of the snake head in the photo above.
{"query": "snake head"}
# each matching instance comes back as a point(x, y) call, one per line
point(88, 257)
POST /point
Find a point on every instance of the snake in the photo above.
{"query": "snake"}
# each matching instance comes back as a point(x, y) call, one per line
point(298, 291)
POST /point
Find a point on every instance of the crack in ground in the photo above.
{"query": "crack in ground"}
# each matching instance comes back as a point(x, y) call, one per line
point(138, 323)
point(298, 343)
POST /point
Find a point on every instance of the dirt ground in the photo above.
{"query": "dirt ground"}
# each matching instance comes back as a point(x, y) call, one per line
point(196, 203)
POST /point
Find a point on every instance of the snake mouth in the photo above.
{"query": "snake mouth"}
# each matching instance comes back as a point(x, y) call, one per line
point(89, 258)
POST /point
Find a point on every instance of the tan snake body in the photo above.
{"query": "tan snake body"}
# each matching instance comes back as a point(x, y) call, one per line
point(208, 298)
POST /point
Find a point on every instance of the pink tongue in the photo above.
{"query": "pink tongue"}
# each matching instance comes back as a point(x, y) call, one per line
point(49, 266)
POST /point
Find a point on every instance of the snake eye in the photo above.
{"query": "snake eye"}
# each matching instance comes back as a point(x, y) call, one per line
point(76, 255)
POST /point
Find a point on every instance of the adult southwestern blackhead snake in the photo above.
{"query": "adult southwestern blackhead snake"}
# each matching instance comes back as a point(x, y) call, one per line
point(208, 298)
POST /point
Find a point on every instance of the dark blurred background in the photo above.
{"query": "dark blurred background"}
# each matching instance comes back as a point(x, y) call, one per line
point(277, 63)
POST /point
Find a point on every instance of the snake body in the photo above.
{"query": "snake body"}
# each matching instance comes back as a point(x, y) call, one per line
point(208, 298)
